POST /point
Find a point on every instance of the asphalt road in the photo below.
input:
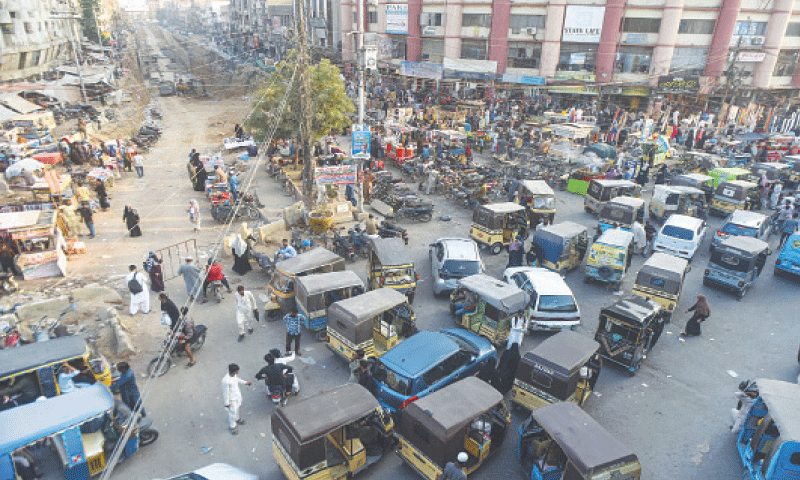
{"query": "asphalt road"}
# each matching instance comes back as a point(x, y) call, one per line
point(674, 413)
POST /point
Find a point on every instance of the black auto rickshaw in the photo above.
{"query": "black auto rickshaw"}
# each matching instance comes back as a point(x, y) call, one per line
point(732, 195)
point(561, 441)
point(736, 263)
point(466, 416)
point(281, 286)
point(628, 330)
point(565, 367)
point(331, 435)
point(315, 293)
point(390, 265)
point(374, 322)
point(563, 245)
point(484, 305)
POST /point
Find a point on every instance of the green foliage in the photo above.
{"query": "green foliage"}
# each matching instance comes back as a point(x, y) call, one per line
point(88, 20)
point(329, 102)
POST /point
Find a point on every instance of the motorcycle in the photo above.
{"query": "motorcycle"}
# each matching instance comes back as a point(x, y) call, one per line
point(422, 212)
point(161, 364)
point(247, 208)
point(390, 230)
point(342, 246)
point(299, 243)
point(7, 283)
point(359, 241)
point(266, 263)
point(278, 393)
point(217, 290)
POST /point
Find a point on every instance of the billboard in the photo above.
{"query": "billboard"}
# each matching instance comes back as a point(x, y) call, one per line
point(583, 24)
point(431, 71)
point(361, 140)
point(397, 18)
point(340, 174)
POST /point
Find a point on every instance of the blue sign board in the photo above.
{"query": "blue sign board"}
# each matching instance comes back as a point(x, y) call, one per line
point(432, 71)
point(361, 140)
point(522, 79)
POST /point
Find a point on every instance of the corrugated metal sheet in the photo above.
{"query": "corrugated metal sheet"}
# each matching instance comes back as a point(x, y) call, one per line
point(19, 104)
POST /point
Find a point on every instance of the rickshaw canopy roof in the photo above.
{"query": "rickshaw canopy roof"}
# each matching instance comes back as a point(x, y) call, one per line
point(33, 421)
point(325, 282)
point(747, 245)
point(363, 307)
point(697, 178)
point(633, 308)
point(616, 237)
point(783, 402)
point(26, 357)
point(729, 172)
point(632, 202)
point(679, 189)
point(391, 251)
point(740, 183)
point(666, 264)
point(588, 445)
point(614, 183)
point(501, 295)
point(446, 412)
point(504, 207)
point(308, 261)
point(563, 230)
point(567, 351)
point(537, 187)
point(318, 415)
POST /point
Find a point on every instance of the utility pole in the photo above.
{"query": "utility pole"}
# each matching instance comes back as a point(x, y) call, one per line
point(729, 80)
point(362, 65)
point(72, 34)
point(305, 113)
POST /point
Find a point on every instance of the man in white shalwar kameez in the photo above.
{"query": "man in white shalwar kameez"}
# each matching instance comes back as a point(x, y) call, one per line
point(139, 300)
point(639, 237)
point(246, 309)
point(232, 396)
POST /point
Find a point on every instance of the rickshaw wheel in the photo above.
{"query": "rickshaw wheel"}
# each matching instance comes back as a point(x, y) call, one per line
point(147, 436)
point(497, 248)
point(321, 336)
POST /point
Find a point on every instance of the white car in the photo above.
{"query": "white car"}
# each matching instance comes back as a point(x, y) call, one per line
point(680, 236)
point(451, 259)
point(217, 471)
point(552, 305)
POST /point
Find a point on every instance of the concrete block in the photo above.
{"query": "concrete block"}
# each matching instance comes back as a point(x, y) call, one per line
point(270, 229)
point(96, 293)
point(382, 208)
point(4, 187)
point(124, 346)
point(52, 307)
point(107, 313)
point(9, 318)
point(293, 214)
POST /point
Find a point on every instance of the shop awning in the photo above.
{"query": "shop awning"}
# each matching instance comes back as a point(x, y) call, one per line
point(750, 137)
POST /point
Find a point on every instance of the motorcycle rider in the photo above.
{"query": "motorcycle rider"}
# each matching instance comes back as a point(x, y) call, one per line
point(277, 374)
point(185, 336)
point(213, 274)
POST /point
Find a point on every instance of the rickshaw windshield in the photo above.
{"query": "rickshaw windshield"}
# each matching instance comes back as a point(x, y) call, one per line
point(393, 380)
point(557, 303)
point(613, 214)
point(396, 276)
point(730, 261)
point(616, 327)
point(282, 282)
point(542, 203)
point(740, 230)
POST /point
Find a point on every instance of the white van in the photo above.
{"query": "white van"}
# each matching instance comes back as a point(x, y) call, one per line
point(680, 236)
point(552, 305)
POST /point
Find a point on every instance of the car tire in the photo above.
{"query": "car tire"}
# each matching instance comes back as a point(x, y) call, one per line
point(496, 248)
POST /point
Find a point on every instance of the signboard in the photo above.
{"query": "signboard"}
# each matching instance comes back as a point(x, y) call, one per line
point(583, 76)
point(751, 56)
point(522, 79)
point(576, 89)
point(675, 83)
point(431, 71)
point(583, 24)
point(397, 18)
point(465, 65)
point(339, 174)
point(466, 76)
point(361, 140)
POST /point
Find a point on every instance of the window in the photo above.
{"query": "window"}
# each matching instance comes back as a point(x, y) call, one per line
point(696, 27)
point(787, 63)
point(475, 50)
point(793, 30)
point(689, 61)
point(433, 51)
point(12, 14)
point(35, 58)
point(632, 59)
point(750, 28)
point(399, 47)
point(641, 25)
point(524, 55)
point(577, 57)
point(5, 28)
point(355, 17)
point(373, 17)
point(518, 22)
point(476, 20)
point(23, 57)
point(28, 27)
point(430, 19)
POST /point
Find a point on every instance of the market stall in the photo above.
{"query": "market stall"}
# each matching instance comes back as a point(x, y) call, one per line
point(37, 242)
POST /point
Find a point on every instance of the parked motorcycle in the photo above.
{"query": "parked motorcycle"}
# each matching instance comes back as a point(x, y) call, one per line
point(422, 212)
point(248, 207)
point(359, 240)
point(161, 364)
point(389, 230)
point(343, 247)
point(7, 284)
point(264, 261)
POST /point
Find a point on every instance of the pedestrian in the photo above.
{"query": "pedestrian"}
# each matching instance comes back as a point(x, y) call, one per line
point(701, 312)
point(194, 214)
point(776, 194)
point(455, 470)
point(246, 311)
point(639, 237)
point(354, 366)
point(191, 277)
point(140, 295)
point(131, 219)
point(233, 184)
point(102, 195)
point(7, 258)
point(126, 387)
point(138, 164)
point(365, 375)
point(292, 321)
point(86, 215)
point(169, 309)
point(535, 254)
point(232, 396)
point(650, 235)
point(153, 267)
point(82, 128)
point(516, 252)
point(241, 255)
point(789, 227)
point(519, 326)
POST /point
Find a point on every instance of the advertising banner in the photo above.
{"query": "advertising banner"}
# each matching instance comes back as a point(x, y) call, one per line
point(465, 65)
point(360, 141)
point(397, 18)
point(522, 79)
point(432, 71)
point(583, 24)
point(340, 174)
point(679, 83)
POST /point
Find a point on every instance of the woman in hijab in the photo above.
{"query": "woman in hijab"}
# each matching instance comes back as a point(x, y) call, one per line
point(131, 219)
point(153, 266)
point(701, 312)
point(194, 214)
point(507, 370)
point(102, 196)
point(198, 175)
point(241, 255)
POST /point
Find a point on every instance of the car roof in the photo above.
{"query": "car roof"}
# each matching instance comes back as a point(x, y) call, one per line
point(627, 201)
point(223, 471)
point(683, 221)
point(419, 352)
point(746, 218)
point(616, 237)
point(504, 207)
point(35, 355)
point(544, 281)
point(459, 249)
point(501, 295)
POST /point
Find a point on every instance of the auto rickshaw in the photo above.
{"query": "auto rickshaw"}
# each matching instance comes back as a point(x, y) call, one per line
point(794, 171)
point(622, 212)
point(563, 245)
point(30, 371)
point(315, 293)
point(610, 256)
point(540, 200)
point(722, 175)
point(390, 265)
point(497, 224)
point(696, 180)
point(281, 286)
point(661, 280)
point(561, 441)
point(736, 263)
point(485, 305)
point(670, 199)
point(374, 322)
point(565, 367)
point(628, 330)
point(332, 435)
point(769, 441)
point(601, 191)
point(466, 416)
point(788, 261)
point(732, 195)
point(74, 434)
point(774, 171)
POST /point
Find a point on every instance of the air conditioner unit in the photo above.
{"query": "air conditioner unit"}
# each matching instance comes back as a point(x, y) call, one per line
point(756, 41)
point(530, 30)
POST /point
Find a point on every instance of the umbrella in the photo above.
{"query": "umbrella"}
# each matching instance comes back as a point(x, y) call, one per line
point(29, 164)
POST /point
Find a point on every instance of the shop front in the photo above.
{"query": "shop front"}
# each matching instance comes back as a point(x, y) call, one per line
point(37, 243)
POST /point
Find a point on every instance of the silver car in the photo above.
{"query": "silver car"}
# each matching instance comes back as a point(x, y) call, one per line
point(742, 223)
point(451, 259)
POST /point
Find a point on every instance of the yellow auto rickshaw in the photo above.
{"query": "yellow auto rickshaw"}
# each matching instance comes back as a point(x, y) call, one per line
point(661, 280)
point(622, 212)
point(732, 195)
point(600, 192)
point(332, 435)
point(374, 322)
point(540, 200)
point(390, 265)
point(683, 200)
point(497, 224)
point(466, 416)
point(485, 305)
point(610, 256)
point(565, 367)
point(281, 287)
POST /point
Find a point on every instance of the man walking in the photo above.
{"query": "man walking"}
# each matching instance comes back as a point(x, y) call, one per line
point(293, 321)
point(125, 385)
point(191, 277)
point(140, 295)
point(455, 471)
point(138, 164)
point(232, 396)
point(86, 215)
point(246, 310)
point(789, 227)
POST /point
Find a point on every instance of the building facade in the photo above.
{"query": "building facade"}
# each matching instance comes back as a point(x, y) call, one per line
point(34, 39)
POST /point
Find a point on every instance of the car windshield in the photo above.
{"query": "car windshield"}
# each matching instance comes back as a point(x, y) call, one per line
point(677, 232)
point(557, 303)
point(461, 268)
point(740, 230)
point(392, 379)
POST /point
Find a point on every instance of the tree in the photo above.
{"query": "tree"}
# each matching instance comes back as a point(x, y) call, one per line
point(88, 20)
point(330, 104)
